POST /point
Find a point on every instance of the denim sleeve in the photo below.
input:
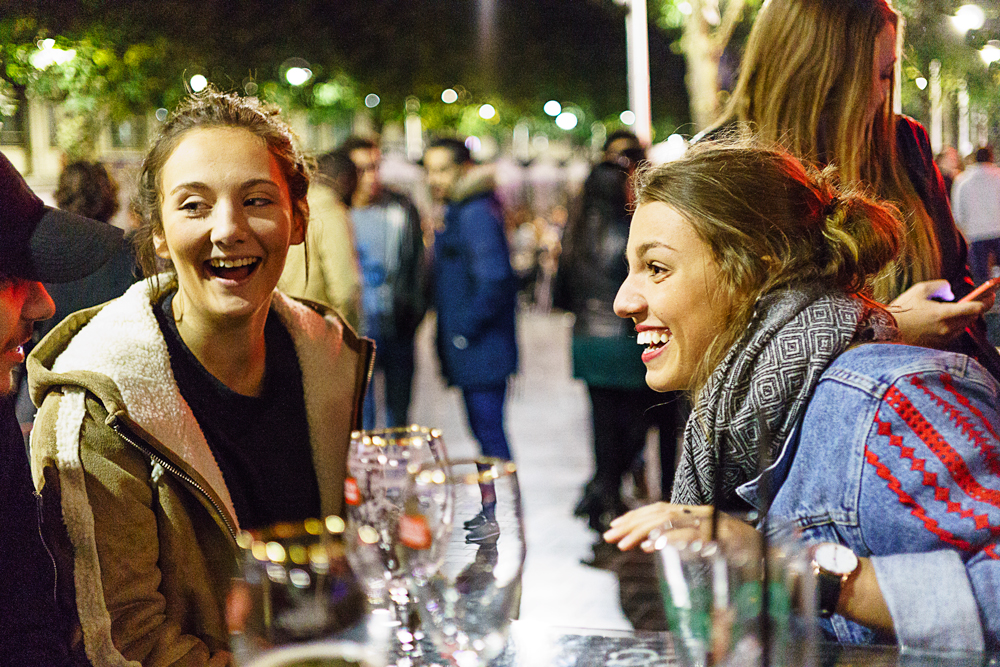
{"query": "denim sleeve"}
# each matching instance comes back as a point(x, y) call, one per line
point(931, 601)
point(930, 507)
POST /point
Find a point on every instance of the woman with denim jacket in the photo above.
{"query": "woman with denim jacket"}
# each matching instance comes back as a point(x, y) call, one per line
point(749, 283)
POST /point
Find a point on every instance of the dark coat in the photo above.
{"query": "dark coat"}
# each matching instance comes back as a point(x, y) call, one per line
point(591, 269)
point(33, 631)
point(914, 150)
point(475, 291)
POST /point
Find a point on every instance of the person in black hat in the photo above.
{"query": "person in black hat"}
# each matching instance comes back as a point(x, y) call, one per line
point(37, 244)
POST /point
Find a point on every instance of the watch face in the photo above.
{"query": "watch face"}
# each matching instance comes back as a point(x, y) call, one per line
point(835, 558)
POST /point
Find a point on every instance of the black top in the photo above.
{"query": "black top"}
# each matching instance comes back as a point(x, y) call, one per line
point(915, 152)
point(592, 266)
point(32, 630)
point(260, 443)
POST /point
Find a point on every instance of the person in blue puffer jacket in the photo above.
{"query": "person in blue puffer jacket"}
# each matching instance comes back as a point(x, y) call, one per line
point(475, 290)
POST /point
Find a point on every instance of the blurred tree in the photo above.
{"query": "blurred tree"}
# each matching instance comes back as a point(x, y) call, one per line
point(564, 49)
point(92, 80)
point(929, 35)
point(707, 27)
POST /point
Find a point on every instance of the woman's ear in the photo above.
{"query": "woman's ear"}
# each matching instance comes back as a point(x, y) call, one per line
point(160, 246)
point(300, 222)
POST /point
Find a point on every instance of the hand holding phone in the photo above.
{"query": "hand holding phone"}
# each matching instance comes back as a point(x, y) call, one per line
point(983, 291)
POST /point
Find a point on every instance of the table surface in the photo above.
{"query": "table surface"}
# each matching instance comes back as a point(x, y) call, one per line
point(576, 647)
point(532, 645)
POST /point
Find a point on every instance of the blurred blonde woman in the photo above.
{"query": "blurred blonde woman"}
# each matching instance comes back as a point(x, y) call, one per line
point(818, 77)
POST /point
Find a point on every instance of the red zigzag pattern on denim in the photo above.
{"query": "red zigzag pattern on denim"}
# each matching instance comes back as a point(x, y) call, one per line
point(965, 424)
point(916, 510)
point(947, 455)
point(942, 450)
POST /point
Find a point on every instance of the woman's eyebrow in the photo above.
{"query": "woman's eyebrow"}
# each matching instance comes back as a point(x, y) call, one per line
point(650, 245)
point(198, 185)
point(189, 185)
point(260, 181)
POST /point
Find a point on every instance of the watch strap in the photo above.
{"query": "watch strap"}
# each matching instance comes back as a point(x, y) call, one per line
point(828, 587)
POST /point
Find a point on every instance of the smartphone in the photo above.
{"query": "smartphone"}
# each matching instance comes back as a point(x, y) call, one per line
point(984, 290)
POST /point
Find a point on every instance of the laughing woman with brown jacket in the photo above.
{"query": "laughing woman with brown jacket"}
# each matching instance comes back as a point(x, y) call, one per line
point(200, 403)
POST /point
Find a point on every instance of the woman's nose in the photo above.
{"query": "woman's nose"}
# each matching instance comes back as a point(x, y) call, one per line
point(628, 301)
point(229, 224)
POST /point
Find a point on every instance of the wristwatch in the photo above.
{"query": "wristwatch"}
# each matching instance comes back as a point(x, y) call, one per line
point(832, 564)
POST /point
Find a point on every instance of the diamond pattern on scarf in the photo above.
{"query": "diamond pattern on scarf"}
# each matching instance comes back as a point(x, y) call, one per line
point(770, 373)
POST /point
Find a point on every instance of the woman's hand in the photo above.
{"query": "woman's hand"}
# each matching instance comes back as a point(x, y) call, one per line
point(933, 323)
point(648, 526)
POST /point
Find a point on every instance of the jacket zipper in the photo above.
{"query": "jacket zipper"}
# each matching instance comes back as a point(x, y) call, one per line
point(127, 436)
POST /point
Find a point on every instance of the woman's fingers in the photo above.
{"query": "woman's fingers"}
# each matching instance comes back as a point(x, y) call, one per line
point(923, 320)
point(652, 521)
point(678, 537)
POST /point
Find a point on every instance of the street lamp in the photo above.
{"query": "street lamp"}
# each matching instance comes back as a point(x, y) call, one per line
point(637, 44)
point(198, 83)
point(552, 108)
point(48, 54)
point(567, 120)
point(297, 76)
point(968, 17)
point(991, 52)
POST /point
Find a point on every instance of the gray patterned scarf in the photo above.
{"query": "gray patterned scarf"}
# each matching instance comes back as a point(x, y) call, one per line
point(793, 336)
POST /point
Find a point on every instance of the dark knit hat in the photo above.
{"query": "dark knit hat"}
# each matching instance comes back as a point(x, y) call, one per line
point(38, 242)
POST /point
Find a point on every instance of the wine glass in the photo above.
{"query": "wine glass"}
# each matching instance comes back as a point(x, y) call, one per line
point(468, 604)
point(376, 495)
point(296, 597)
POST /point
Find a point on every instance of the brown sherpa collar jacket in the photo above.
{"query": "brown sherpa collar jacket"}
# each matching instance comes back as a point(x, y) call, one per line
point(135, 508)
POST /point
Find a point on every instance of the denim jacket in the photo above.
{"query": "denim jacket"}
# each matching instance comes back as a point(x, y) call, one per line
point(897, 457)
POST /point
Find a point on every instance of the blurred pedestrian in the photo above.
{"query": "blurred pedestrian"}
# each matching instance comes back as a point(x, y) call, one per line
point(623, 407)
point(37, 244)
point(390, 245)
point(950, 165)
point(87, 189)
point(325, 268)
point(475, 290)
point(975, 201)
point(618, 142)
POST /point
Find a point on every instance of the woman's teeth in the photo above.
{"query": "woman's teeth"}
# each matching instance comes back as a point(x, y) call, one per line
point(232, 269)
point(653, 337)
point(220, 263)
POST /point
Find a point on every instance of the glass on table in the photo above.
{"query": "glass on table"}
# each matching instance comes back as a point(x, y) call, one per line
point(377, 495)
point(296, 599)
point(713, 594)
point(468, 604)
